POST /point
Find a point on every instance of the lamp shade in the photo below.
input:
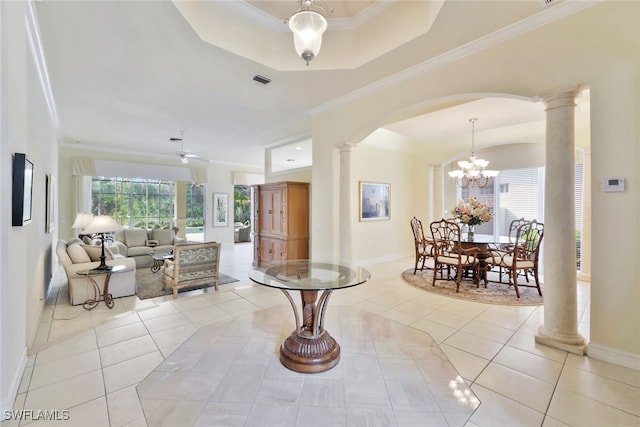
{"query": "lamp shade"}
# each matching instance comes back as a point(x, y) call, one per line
point(82, 220)
point(307, 27)
point(102, 224)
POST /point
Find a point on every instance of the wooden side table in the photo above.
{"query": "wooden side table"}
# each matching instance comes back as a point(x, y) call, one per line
point(106, 296)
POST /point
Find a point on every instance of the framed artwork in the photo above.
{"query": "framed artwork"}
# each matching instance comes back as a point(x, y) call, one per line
point(374, 201)
point(52, 197)
point(220, 209)
point(22, 190)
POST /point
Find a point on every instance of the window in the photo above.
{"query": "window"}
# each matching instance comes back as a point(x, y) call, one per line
point(504, 188)
point(134, 202)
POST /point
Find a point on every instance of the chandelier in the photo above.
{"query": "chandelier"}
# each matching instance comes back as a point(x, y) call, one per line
point(308, 24)
point(473, 172)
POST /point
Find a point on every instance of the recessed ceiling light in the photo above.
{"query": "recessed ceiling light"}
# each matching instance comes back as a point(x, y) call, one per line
point(298, 148)
point(261, 79)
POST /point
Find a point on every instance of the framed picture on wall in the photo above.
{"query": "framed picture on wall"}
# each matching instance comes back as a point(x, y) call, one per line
point(52, 209)
point(220, 209)
point(374, 201)
point(22, 190)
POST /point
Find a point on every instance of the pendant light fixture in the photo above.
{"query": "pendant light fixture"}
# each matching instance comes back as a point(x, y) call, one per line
point(308, 24)
point(473, 172)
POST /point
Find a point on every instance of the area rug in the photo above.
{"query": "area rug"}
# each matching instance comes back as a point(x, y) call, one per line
point(149, 285)
point(494, 293)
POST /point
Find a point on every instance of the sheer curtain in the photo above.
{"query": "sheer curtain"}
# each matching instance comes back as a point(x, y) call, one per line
point(83, 170)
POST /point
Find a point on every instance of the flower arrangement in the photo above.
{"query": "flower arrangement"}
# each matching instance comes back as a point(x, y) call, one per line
point(473, 212)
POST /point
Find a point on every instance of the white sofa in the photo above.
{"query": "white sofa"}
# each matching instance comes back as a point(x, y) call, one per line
point(75, 256)
point(138, 243)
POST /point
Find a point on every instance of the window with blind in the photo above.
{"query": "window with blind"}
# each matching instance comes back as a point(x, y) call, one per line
point(517, 193)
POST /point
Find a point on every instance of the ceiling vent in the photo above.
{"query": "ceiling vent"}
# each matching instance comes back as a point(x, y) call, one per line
point(545, 3)
point(261, 79)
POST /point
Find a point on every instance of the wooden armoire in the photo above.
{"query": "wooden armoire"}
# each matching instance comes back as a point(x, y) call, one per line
point(281, 222)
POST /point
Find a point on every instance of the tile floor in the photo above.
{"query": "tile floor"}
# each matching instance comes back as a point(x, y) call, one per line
point(90, 362)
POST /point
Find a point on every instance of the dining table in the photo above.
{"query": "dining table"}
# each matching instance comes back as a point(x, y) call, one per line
point(484, 243)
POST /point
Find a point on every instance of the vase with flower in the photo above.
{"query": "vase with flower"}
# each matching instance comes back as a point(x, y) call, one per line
point(472, 213)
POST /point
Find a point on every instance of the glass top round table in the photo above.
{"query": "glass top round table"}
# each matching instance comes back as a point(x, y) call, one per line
point(306, 275)
point(310, 348)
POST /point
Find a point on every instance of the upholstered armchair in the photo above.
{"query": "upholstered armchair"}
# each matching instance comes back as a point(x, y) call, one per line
point(192, 265)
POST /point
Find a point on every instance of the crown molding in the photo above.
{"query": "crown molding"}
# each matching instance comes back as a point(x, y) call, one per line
point(37, 52)
point(546, 16)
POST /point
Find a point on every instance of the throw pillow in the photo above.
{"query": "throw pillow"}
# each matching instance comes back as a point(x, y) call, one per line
point(77, 254)
point(163, 236)
point(94, 252)
point(152, 243)
point(135, 237)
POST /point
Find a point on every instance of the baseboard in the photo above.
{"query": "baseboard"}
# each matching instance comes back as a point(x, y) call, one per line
point(12, 392)
point(385, 258)
point(615, 356)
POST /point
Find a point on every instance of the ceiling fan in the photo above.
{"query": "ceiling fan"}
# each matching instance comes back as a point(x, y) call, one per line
point(183, 155)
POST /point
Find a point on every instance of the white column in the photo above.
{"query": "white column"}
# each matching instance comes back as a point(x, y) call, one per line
point(585, 233)
point(345, 215)
point(560, 328)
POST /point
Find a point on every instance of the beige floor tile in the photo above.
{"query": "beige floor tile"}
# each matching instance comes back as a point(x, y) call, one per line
point(468, 365)
point(614, 393)
point(123, 319)
point(169, 321)
point(67, 393)
point(489, 331)
point(552, 422)
point(438, 331)
point(448, 318)
point(609, 370)
point(473, 344)
point(173, 336)
point(68, 347)
point(61, 369)
point(153, 310)
point(400, 316)
point(130, 372)
point(526, 341)
point(520, 387)
point(93, 413)
point(497, 410)
point(112, 336)
point(238, 307)
point(124, 407)
point(578, 410)
point(531, 364)
point(125, 350)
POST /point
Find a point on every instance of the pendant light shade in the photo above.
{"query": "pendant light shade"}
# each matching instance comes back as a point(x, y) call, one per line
point(307, 27)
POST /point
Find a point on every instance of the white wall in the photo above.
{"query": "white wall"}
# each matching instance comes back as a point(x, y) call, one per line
point(26, 126)
point(383, 157)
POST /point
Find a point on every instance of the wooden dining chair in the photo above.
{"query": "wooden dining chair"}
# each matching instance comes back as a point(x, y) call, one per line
point(523, 256)
point(502, 247)
point(423, 246)
point(448, 253)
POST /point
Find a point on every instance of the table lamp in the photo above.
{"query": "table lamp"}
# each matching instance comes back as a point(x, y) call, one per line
point(82, 220)
point(100, 226)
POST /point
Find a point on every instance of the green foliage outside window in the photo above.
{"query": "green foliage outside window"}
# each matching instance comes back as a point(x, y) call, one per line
point(242, 203)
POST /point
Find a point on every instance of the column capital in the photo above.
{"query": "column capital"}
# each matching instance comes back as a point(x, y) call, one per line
point(565, 98)
point(346, 146)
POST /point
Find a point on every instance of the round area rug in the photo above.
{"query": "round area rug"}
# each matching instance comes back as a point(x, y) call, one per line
point(494, 293)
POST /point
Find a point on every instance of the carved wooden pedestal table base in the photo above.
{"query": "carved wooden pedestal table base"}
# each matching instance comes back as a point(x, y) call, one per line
point(310, 348)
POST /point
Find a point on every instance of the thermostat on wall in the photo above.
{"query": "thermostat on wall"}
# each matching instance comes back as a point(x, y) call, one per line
point(613, 184)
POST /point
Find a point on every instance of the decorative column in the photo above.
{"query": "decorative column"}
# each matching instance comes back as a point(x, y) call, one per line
point(584, 273)
point(560, 328)
point(345, 216)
